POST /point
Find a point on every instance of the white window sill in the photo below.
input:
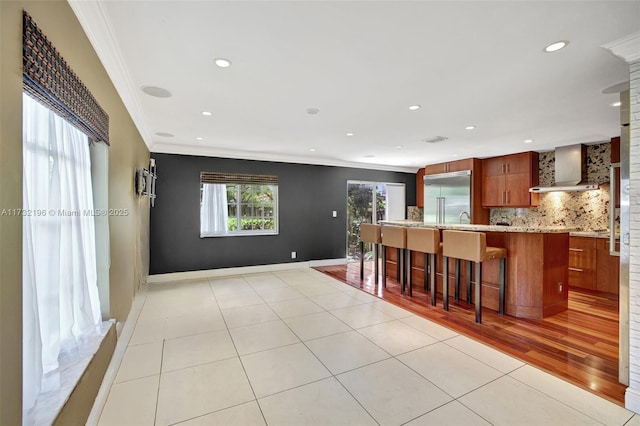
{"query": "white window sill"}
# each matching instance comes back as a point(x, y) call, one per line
point(73, 363)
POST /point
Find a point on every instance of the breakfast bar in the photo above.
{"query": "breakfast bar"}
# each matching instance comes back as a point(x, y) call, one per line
point(536, 271)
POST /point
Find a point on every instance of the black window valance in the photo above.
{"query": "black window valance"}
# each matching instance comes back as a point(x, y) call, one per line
point(48, 78)
point(238, 178)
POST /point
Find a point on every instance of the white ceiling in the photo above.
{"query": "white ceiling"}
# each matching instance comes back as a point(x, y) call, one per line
point(362, 64)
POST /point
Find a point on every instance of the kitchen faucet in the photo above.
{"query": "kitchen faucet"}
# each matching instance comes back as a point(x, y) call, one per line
point(464, 214)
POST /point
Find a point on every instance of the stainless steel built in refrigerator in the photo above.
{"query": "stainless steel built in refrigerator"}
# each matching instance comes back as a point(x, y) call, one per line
point(447, 196)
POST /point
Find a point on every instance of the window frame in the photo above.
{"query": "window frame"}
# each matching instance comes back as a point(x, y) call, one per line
point(241, 184)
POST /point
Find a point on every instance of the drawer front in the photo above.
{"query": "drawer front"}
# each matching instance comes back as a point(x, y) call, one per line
point(580, 279)
point(583, 259)
point(582, 264)
point(578, 243)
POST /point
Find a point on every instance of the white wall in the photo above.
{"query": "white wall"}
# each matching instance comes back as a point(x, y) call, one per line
point(633, 392)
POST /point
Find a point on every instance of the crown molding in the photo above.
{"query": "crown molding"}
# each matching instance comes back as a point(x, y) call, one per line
point(626, 48)
point(202, 151)
point(99, 31)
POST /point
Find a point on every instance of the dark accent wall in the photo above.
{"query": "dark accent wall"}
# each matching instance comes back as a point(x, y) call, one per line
point(307, 196)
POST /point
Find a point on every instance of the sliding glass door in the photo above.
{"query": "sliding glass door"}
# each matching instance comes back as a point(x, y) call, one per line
point(371, 202)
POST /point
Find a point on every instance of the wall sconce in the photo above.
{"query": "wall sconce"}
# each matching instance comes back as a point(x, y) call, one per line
point(145, 182)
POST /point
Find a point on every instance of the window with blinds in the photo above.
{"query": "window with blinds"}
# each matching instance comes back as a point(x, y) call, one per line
point(234, 204)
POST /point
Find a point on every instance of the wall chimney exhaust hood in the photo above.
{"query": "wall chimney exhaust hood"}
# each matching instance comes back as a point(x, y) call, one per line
point(571, 171)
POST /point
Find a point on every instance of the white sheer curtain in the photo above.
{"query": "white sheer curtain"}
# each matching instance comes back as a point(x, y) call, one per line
point(60, 296)
point(213, 212)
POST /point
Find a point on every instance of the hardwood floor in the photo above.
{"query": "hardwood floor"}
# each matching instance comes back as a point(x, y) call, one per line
point(579, 345)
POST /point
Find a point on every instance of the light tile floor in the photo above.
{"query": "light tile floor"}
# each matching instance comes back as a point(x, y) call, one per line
point(298, 348)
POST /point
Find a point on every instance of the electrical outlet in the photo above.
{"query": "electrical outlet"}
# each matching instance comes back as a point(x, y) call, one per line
point(559, 287)
point(335, 213)
point(294, 255)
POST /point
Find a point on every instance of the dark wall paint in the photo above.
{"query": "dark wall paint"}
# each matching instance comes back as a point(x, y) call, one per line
point(307, 196)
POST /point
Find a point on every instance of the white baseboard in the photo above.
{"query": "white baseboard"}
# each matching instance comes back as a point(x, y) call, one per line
point(223, 272)
point(328, 262)
point(632, 400)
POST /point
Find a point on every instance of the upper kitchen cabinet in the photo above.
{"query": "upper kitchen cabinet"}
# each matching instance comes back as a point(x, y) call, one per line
point(615, 158)
point(507, 179)
point(420, 188)
point(479, 215)
point(452, 166)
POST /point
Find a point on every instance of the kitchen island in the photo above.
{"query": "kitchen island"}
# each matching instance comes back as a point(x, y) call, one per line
point(537, 267)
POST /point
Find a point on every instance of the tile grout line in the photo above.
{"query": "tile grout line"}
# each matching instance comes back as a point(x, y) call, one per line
point(556, 399)
point(469, 408)
point(118, 355)
point(425, 378)
point(321, 363)
point(211, 412)
point(308, 298)
point(330, 372)
point(155, 414)
point(482, 362)
point(244, 370)
point(392, 319)
point(334, 376)
point(446, 341)
point(416, 372)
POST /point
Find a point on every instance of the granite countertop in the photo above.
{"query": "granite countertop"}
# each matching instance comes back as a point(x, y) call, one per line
point(593, 234)
point(485, 228)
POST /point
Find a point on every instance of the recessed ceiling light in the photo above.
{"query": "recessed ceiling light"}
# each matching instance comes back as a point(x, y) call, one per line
point(470, 127)
point(312, 111)
point(369, 156)
point(454, 155)
point(528, 140)
point(222, 62)
point(199, 138)
point(350, 134)
point(206, 113)
point(312, 150)
point(156, 92)
point(616, 104)
point(399, 147)
point(554, 47)
point(164, 134)
point(414, 107)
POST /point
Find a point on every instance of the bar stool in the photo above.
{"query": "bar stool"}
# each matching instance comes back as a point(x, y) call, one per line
point(472, 246)
point(396, 237)
point(427, 241)
point(369, 233)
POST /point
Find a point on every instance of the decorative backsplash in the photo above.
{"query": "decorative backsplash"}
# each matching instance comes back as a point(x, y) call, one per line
point(587, 210)
point(415, 213)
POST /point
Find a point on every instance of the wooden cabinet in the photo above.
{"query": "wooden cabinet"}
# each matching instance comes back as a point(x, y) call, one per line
point(420, 188)
point(591, 267)
point(479, 215)
point(615, 158)
point(452, 166)
point(536, 273)
point(508, 164)
point(507, 179)
point(582, 262)
point(607, 268)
